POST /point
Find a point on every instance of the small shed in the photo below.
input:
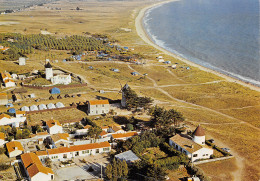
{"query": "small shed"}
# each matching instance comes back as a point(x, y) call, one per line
point(167, 62)
point(25, 108)
point(135, 73)
point(32, 95)
point(34, 108)
point(55, 90)
point(12, 110)
point(161, 60)
point(42, 107)
point(115, 70)
point(59, 105)
point(66, 95)
point(128, 156)
point(51, 106)
point(9, 105)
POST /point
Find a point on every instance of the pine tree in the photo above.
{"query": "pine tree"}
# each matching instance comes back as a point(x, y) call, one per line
point(124, 169)
point(108, 171)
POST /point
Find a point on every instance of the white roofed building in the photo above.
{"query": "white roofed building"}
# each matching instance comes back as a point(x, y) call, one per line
point(61, 79)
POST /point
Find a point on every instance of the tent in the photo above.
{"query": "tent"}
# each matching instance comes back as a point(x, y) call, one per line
point(12, 110)
point(59, 97)
point(42, 107)
point(25, 108)
point(51, 106)
point(59, 105)
point(34, 108)
point(55, 90)
point(51, 98)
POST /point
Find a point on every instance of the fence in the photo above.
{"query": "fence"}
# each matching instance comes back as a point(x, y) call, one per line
point(212, 160)
point(50, 87)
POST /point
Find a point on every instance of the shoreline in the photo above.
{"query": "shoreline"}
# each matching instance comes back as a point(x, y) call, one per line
point(146, 38)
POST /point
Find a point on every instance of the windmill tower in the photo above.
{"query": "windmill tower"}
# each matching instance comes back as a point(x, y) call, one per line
point(123, 100)
point(48, 71)
point(199, 135)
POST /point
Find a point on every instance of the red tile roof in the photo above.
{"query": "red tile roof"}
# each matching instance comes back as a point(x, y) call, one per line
point(124, 135)
point(199, 131)
point(4, 116)
point(30, 158)
point(36, 168)
point(2, 136)
point(14, 144)
point(98, 102)
point(52, 122)
point(78, 148)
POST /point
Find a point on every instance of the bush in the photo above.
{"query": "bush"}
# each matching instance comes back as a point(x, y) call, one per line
point(2, 150)
point(130, 127)
point(4, 166)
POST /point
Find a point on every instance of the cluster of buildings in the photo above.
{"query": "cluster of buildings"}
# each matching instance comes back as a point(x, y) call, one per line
point(7, 80)
point(59, 78)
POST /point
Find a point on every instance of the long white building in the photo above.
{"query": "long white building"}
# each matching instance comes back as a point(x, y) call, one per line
point(195, 147)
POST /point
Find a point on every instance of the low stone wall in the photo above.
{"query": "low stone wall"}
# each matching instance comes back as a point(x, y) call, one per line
point(50, 87)
point(212, 160)
point(47, 110)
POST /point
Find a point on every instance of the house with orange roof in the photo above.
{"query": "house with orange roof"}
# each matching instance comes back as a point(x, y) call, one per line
point(14, 148)
point(84, 131)
point(20, 113)
point(2, 48)
point(59, 140)
point(3, 99)
point(194, 147)
point(7, 79)
point(69, 152)
point(9, 120)
point(97, 107)
point(34, 168)
point(2, 139)
point(54, 126)
point(124, 136)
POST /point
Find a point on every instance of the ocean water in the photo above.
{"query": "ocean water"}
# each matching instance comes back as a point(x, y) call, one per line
point(222, 35)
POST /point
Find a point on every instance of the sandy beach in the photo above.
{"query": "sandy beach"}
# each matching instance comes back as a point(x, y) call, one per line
point(142, 33)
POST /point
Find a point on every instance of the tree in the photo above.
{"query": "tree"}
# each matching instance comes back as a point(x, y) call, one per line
point(129, 127)
point(155, 172)
point(124, 169)
point(108, 171)
point(48, 162)
point(94, 132)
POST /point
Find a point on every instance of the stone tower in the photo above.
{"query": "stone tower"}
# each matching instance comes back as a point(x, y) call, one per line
point(199, 135)
point(48, 71)
point(123, 100)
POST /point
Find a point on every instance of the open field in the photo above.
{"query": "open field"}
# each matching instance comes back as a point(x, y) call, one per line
point(228, 111)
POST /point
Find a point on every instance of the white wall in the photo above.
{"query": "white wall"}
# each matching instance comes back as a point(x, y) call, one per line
point(41, 177)
point(12, 121)
point(55, 129)
point(98, 109)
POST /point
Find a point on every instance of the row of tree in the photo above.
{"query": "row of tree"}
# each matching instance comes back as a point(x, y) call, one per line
point(117, 170)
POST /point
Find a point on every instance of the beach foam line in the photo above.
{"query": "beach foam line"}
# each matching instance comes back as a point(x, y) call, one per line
point(145, 37)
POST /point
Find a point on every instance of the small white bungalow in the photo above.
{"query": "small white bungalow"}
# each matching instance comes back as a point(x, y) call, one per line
point(21, 61)
point(14, 148)
point(25, 108)
point(123, 136)
point(34, 108)
point(54, 126)
point(51, 106)
point(42, 107)
point(13, 121)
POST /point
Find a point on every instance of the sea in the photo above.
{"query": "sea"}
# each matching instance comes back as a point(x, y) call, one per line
point(222, 35)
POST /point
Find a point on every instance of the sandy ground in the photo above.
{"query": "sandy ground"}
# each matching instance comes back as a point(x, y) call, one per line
point(141, 32)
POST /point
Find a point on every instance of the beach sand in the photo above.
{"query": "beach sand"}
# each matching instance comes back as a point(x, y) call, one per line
point(142, 33)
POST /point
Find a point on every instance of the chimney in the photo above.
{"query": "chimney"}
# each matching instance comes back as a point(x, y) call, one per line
point(15, 148)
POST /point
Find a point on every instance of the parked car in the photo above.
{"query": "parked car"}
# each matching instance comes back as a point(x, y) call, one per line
point(226, 149)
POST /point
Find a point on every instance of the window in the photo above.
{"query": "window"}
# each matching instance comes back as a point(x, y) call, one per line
point(103, 111)
point(103, 105)
point(97, 150)
point(96, 112)
point(203, 143)
point(195, 155)
point(106, 149)
point(96, 105)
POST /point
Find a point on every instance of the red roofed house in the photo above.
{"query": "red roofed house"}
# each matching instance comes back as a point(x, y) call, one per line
point(98, 107)
point(7, 79)
point(14, 148)
point(2, 139)
point(34, 168)
point(54, 126)
point(124, 136)
point(8, 120)
point(69, 152)
point(3, 99)
point(194, 147)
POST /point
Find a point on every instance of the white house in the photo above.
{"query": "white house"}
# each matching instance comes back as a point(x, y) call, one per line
point(21, 61)
point(2, 139)
point(124, 136)
point(7, 79)
point(98, 107)
point(54, 126)
point(14, 148)
point(61, 79)
point(48, 71)
point(3, 99)
point(83, 131)
point(69, 152)
point(194, 147)
point(14, 121)
point(59, 139)
point(34, 168)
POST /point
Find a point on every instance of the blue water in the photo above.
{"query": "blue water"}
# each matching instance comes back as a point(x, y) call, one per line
point(219, 34)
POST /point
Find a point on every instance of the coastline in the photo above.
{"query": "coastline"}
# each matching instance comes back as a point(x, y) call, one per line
point(145, 37)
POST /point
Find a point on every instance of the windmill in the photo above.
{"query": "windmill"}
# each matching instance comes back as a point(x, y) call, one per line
point(123, 88)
